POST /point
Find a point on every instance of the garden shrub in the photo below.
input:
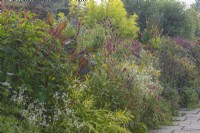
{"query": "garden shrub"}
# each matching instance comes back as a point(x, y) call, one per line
point(87, 73)
point(73, 111)
point(172, 17)
point(178, 68)
point(137, 83)
point(151, 37)
point(195, 51)
point(189, 98)
point(197, 90)
point(196, 54)
point(10, 124)
point(123, 78)
point(172, 96)
point(157, 112)
point(11, 119)
point(143, 94)
point(40, 80)
point(116, 13)
point(187, 44)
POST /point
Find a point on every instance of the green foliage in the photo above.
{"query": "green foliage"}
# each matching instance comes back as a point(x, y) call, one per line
point(195, 10)
point(99, 120)
point(132, 86)
point(115, 13)
point(151, 38)
point(157, 112)
point(32, 54)
point(191, 24)
point(172, 96)
point(147, 11)
point(197, 5)
point(176, 21)
point(85, 72)
point(179, 72)
point(9, 124)
point(170, 16)
point(189, 98)
point(196, 55)
point(40, 74)
point(177, 66)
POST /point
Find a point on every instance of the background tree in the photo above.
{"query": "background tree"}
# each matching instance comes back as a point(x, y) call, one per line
point(145, 9)
point(197, 4)
point(195, 13)
point(171, 17)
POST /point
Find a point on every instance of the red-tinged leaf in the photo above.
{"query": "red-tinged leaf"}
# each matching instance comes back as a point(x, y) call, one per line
point(73, 56)
point(60, 27)
point(83, 62)
point(25, 14)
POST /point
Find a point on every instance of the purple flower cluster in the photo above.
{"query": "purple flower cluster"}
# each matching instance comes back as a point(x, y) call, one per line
point(183, 42)
point(136, 47)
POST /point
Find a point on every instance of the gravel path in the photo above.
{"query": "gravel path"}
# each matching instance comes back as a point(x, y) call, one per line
point(187, 123)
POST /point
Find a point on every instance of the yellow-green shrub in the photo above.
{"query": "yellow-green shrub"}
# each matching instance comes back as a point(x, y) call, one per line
point(116, 13)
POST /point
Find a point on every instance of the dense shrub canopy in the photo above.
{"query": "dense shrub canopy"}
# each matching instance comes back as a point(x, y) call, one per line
point(91, 70)
point(112, 14)
point(172, 18)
